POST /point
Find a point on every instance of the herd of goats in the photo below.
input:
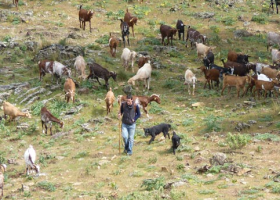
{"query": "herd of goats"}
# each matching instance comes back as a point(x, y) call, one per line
point(235, 73)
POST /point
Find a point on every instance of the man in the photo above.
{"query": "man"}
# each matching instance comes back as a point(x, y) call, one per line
point(130, 113)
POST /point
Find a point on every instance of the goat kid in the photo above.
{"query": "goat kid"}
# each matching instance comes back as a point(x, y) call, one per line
point(190, 79)
point(113, 43)
point(85, 16)
point(47, 118)
point(109, 99)
point(130, 20)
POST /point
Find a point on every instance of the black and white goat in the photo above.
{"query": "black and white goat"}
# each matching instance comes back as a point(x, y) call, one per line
point(181, 29)
point(125, 31)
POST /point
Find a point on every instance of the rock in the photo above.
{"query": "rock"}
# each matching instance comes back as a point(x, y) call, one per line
point(203, 169)
point(252, 122)
point(198, 104)
point(32, 95)
point(243, 171)
point(74, 35)
point(196, 148)
point(86, 128)
point(162, 138)
point(25, 188)
point(164, 169)
point(55, 87)
point(13, 86)
point(242, 33)
point(260, 127)
point(218, 159)
point(31, 45)
point(71, 111)
point(83, 91)
point(59, 51)
point(174, 184)
point(60, 134)
point(23, 126)
point(103, 162)
point(240, 126)
point(204, 15)
point(4, 95)
point(96, 120)
point(250, 103)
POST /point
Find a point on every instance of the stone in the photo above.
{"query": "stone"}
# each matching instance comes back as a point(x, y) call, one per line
point(204, 15)
point(164, 169)
point(252, 122)
point(218, 159)
point(25, 188)
point(31, 45)
point(13, 86)
point(23, 126)
point(60, 134)
point(242, 33)
point(83, 91)
point(198, 104)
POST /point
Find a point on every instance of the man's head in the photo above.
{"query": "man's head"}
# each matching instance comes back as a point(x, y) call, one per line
point(129, 100)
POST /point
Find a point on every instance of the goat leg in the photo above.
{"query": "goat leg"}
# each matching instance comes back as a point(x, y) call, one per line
point(89, 26)
point(128, 40)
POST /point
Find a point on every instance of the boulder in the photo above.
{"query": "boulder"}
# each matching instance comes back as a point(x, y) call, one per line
point(218, 159)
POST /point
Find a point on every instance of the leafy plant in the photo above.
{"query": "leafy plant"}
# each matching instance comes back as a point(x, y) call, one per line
point(46, 186)
point(153, 184)
point(103, 40)
point(261, 18)
point(237, 141)
point(213, 123)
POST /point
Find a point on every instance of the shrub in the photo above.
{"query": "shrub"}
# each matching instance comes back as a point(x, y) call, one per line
point(103, 40)
point(153, 184)
point(212, 123)
point(237, 141)
point(261, 18)
point(171, 83)
point(46, 186)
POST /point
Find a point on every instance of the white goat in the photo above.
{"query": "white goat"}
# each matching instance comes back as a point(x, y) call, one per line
point(80, 66)
point(59, 70)
point(30, 157)
point(275, 53)
point(259, 67)
point(190, 79)
point(128, 56)
point(144, 73)
point(272, 39)
point(2, 170)
point(202, 50)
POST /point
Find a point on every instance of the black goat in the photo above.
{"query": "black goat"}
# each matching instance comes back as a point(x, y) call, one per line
point(222, 70)
point(181, 29)
point(238, 68)
point(155, 130)
point(208, 59)
point(175, 141)
point(97, 71)
point(125, 31)
point(277, 2)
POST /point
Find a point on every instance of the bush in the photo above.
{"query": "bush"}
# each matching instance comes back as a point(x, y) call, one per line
point(46, 186)
point(261, 18)
point(171, 83)
point(103, 40)
point(212, 123)
point(237, 141)
point(153, 184)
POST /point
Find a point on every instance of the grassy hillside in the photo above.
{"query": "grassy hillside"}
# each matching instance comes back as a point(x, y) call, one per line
point(87, 164)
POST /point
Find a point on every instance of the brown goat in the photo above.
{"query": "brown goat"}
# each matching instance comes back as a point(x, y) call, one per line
point(130, 20)
point(142, 60)
point(270, 73)
point(113, 43)
point(16, 3)
point(266, 86)
point(69, 89)
point(167, 31)
point(47, 118)
point(210, 75)
point(45, 66)
point(85, 16)
point(239, 58)
point(142, 100)
point(110, 98)
point(237, 81)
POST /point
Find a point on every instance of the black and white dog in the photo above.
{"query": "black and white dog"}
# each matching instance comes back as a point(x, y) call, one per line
point(175, 141)
point(155, 130)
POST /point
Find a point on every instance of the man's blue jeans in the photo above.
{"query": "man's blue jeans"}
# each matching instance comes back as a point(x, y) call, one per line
point(128, 132)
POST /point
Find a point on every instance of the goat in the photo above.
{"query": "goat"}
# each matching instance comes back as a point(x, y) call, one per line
point(210, 75)
point(237, 81)
point(13, 112)
point(30, 158)
point(277, 2)
point(85, 16)
point(60, 70)
point(47, 118)
point(109, 99)
point(125, 31)
point(80, 66)
point(222, 70)
point(97, 71)
point(175, 141)
point(275, 54)
point(254, 77)
point(266, 86)
point(195, 36)
point(270, 73)
point(15, 2)
point(144, 73)
point(142, 100)
point(128, 56)
point(3, 168)
point(130, 20)
point(45, 66)
point(208, 59)
point(113, 43)
point(167, 31)
point(143, 60)
point(272, 39)
point(190, 79)
point(238, 68)
point(202, 50)
point(181, 29)
point(69, 89)
point(155, 130)
point(239, 58)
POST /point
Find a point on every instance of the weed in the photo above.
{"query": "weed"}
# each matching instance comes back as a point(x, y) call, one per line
point(152, 160)
point(187, 122)
point(149, 41)
point(179, 158)
point(180, 167)
point(261, 18)
point(62, 42)
point(191, 178)
point(81, 154)
point(7, 38)
point(155, 108)
point(237, 141)
point(267, 136)
point(36, 108)
point(137, 173)
point(171, 83)
point(46, 186)
point(103, 40)
point(229, 21)
point(215, 169)
point(93, 46)
point(259, 149)
point(206, 191)
point(266, 118)
point(153, 184)
point(213, 123)
point(122, 75)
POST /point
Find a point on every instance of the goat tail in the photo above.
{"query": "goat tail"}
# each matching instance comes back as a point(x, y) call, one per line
point(127, 10)
point(81, 7)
